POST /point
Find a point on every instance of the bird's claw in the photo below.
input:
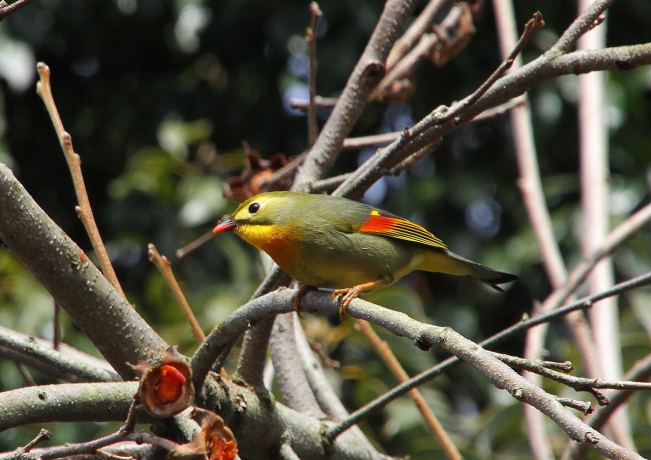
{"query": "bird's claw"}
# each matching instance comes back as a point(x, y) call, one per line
point(348, 295)
point(298, 298)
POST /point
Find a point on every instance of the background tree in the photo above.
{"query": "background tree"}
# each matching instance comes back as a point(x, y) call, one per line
point(159, 98)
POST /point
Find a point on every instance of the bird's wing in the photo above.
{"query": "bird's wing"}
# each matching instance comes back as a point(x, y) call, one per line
point(380, 222)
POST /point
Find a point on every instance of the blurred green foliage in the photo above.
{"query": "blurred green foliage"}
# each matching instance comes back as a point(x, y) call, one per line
point(159, 97)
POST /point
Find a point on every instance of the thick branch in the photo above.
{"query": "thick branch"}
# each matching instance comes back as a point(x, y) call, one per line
point(108, 320)
point(74, 402)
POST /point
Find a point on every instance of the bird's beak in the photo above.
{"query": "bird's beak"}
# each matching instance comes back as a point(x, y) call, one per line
point(226, 226)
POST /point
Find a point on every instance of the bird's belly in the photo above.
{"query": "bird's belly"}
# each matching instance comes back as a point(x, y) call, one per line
point(352, 259)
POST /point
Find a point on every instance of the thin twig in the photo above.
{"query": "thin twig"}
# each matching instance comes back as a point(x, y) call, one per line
point(354, 143)
point(300, 104)
point(383, 350)
point(84, 210)
point(132, 417)
point(412, 160)
point(529, 29)
point(285, 172)
point(43, 435)
point(25, 374)
point(426, 42)
point(310, 38)
point(640, 371)
point(92, 446)
point(331, 183)
point(181, 253)
point(577, 383)
point(583, 406)
point(166, 270)
point(501, 109)
point(56, 326)
point(365, 76)
point(6, 10)
point(512, 85)
point(415, 31)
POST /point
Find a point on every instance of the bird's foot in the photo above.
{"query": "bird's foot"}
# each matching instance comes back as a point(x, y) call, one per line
point(351, 293)
point(298, 298)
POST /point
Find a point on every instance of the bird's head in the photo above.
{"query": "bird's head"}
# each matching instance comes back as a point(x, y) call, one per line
point(265, 209)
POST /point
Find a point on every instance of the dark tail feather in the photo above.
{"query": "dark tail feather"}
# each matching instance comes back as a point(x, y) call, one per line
point(486, 275)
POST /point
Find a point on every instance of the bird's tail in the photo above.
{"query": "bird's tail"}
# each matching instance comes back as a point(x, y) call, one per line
point(444, 261)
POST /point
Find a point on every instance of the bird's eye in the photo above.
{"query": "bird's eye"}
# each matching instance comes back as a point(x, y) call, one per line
point(254, 208)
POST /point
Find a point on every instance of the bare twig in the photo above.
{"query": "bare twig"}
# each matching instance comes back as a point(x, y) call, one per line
point(92, 446)
point(512, 85)
point(6, 10)
point(25, 374)
point(426, 42)
point(56, 326)
point(132, 417)
point(415, 31)
point(84, 210)
point(499, 375)
point(366, 75)
point(529, 29)
point(165, 268)
point(640, 371)
point(43, 435)
point(585, 407)
point(354, 143)
point(383, 350)
point(413, 159)
point(300, 104)
point(425, 336)
point(578, 383)
point(310, 37)
point(181, 253)
point(285, 172)
point(331, 183)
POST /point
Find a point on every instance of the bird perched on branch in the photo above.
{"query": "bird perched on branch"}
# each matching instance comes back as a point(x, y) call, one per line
point(329, 242)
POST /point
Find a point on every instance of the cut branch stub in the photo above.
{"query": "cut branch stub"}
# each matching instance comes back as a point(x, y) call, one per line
point(165, 386)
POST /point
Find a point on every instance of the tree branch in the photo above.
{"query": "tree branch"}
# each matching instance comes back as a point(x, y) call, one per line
point(367, 73)
point(106, 318)
point(84, 210)
point(72, 402)
point(6, 10)
point(34, 353)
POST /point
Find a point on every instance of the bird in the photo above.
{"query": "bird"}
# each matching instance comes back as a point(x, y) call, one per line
point(331, 242)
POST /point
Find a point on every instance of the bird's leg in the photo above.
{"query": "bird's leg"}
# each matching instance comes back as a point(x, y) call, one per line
point(351, 293)
point(298, 297)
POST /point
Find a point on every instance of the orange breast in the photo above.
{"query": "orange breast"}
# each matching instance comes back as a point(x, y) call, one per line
point(282, 246)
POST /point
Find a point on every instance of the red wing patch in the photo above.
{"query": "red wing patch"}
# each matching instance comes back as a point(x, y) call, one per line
point(399, 228)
